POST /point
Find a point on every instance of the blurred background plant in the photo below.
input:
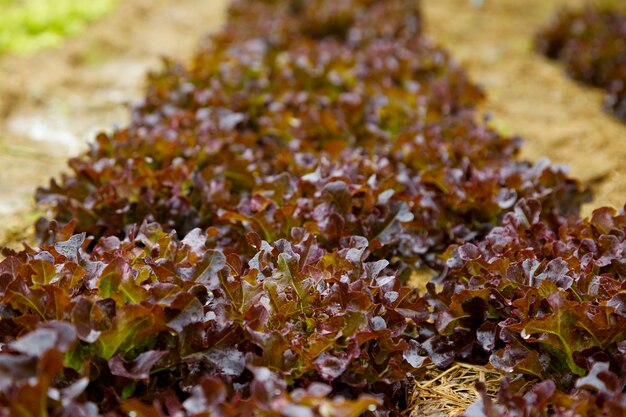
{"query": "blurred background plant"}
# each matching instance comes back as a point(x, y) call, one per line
point(27, 26)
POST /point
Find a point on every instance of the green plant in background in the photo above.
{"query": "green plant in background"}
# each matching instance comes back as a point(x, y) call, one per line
point(30, 25)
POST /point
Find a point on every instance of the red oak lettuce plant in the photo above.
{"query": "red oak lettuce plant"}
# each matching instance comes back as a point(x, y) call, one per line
point(590, 44)
point(159, 326)
point(271, 128)
point(542, 303)
point(240, 248)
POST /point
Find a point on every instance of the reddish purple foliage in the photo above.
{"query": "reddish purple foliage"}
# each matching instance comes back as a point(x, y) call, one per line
point(590, 44)
point(239, 249)
point(162, 326)
point(269, 128)
point(541, 303)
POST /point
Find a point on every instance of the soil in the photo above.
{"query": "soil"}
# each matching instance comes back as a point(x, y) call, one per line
point(531, 96)
point(52, 103)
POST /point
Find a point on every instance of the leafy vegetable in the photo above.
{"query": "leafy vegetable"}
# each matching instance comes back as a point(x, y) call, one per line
point(30, 25)
point(240, 248)
point(589, 42)
point(370, 132)
point(550, 300)
point(598, 394)
point(294, 327)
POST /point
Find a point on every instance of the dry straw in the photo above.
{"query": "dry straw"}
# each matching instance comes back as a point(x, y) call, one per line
point(448, 393)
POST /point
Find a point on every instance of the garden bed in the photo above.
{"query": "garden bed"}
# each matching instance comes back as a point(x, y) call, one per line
point(243, 245)
point(530, 95)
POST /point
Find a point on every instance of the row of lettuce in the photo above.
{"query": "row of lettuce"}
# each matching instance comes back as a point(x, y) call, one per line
point(242, 247)
point(589, 42)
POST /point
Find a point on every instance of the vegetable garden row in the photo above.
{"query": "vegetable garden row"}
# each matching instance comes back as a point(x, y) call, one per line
point(243, 246)
point(590, 43)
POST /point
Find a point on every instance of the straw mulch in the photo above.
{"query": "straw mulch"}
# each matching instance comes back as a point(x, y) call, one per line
point(448, 393)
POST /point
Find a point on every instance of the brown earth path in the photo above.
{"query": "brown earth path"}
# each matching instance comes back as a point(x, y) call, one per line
point(530, 96)
point(53, 102)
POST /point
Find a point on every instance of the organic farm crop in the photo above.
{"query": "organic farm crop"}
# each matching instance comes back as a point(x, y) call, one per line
point(356, 133)
point(590, 44)
point(242, 247)
point(27, 26)
point(159, 326)
point(545, 305)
